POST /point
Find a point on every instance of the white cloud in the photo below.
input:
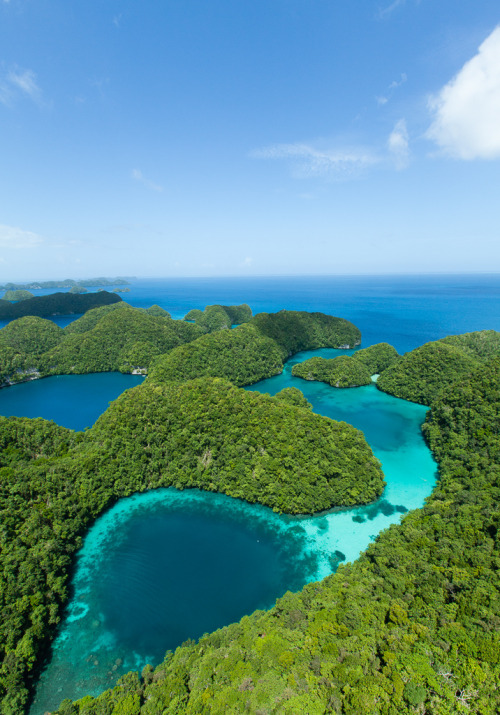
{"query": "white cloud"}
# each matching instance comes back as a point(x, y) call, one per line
point(247, 262)
point(12, 237)
point(398, 144)
point(467, 110)
point(309, 162)
point(395, 84)
point(19, 82)
point(139, 176)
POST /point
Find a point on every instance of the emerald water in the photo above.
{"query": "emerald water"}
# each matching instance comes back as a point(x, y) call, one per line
point(165, 566)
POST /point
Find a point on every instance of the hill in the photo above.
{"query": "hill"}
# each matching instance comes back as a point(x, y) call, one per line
point(257, 349)
point(56, 304)
point(421, 374)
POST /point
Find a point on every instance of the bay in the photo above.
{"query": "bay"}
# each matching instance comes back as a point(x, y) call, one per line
point(74, 401)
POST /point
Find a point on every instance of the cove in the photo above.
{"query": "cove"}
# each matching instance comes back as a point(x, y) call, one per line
point(165, 566)
point(74, 401)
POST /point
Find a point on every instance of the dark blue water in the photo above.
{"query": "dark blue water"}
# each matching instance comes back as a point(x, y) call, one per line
point(405, 311)
point(74, 401)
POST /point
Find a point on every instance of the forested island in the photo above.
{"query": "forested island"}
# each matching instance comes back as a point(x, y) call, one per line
point(55, 304)
point(410, 627)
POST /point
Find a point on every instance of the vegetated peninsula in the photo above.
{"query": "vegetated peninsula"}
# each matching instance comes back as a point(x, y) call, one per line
point(412, 626)
point(55, 304)
point(420, 375)
point(348, 370)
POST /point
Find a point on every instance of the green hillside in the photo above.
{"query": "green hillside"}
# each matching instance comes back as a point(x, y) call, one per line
point(422, 373)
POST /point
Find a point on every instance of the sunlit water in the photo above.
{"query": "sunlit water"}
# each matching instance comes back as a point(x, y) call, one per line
point(165, 566)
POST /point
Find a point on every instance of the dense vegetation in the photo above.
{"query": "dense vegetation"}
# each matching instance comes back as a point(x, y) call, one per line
point(242, 355)
point(295, 330)
point(256, 350)
point(129, 339)
point(420, 374)
point(56, 304)
point(293, 396)
point(342, 371)
point(219, 317)
point(377, 358)
point(119, 337)
point(204, 433)
point(122, 339)
point(348, 370)
point(78, 289)
point(16, 295)
point(156, 311)
point(413, 626)
point(22, 342)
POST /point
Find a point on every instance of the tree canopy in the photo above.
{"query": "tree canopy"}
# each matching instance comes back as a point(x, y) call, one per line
point(422, 373)
point(56, 304)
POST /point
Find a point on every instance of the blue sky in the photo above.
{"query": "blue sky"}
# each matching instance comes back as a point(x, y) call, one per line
point(248, 137)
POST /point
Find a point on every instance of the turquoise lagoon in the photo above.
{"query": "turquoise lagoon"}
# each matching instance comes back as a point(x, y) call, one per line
point(166, 566)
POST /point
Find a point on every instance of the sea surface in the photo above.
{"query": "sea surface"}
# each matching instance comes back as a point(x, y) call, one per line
point(166, 566)
point(74, 401)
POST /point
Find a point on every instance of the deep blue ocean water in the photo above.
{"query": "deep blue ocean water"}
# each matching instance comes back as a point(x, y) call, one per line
point(74, 401)
point(165, 566)
point(405, 311)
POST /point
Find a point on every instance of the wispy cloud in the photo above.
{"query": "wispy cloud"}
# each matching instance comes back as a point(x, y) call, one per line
point(466, 111)
point(389, 9)
point(398, 144)
point(117, 19)
point(394, 85)
point(139, 176)
point(18, 82)
point(13, 237)
point(309, 162)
